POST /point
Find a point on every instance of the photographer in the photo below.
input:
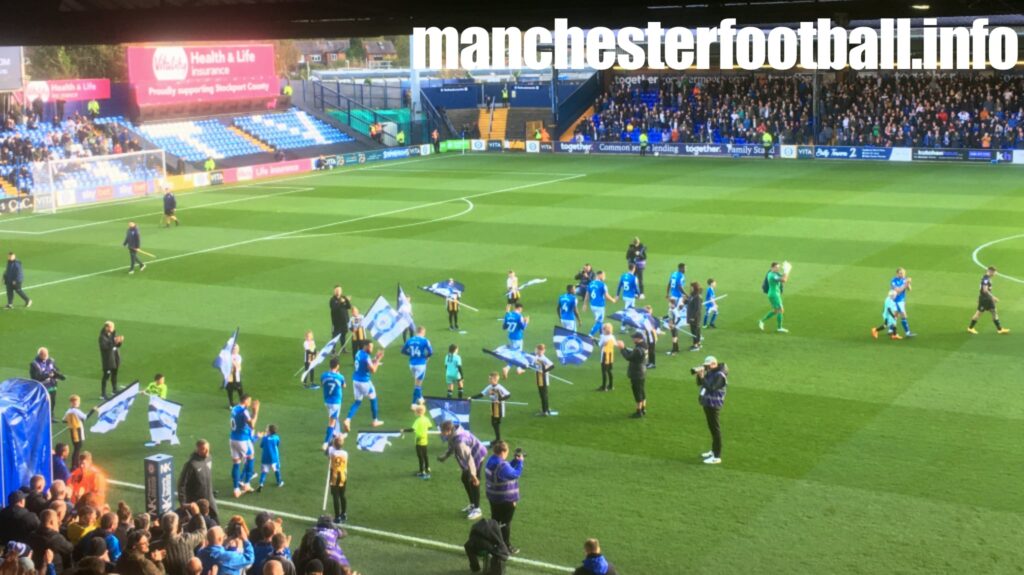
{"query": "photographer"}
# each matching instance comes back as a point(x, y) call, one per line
point(44, 370)
point(503, 488)
point(711, 377)
point(637, 370)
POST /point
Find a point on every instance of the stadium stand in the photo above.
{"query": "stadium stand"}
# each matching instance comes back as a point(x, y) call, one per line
point(195, 141)
point(291, 130)
point(953, 111)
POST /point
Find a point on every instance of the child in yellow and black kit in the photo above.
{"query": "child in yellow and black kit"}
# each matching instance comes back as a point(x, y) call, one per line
point(497, 394)
point(421, 426)
point(339, 477)
point(452, 303)
point(607, 345)
point(542, 369)
point(309, 354)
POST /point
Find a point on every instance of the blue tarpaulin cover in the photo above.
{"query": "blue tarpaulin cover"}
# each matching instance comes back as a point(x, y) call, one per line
point(25, 443)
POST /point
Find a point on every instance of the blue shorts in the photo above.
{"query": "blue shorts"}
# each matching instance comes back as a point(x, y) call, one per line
point(241, 449)
point(361, 389)
point(598, 313)
point(515, 344)
point(333, 409)
point(628, 302)
point(569, 324)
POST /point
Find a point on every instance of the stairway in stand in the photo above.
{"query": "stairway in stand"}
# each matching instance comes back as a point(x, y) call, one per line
point(492, 127)
point(252, 139)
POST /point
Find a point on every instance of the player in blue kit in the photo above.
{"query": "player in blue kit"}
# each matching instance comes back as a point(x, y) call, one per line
point(515, 324)
point(597, 293)
point(332, 382)
point(628, 287)
point(710, 305)
point(901, 285)
point(418, 349)
point(362, 384)
point(270, 456)
point(568, 313)
point(242, 432)
point(676, 284)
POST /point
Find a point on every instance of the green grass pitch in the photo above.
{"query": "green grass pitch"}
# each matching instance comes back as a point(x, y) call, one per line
point(842, 454)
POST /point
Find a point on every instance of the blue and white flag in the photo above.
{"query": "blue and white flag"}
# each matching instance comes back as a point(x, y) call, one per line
point(513, 357)
point(325, 352)
point(223, 360)
point(572, 347)
point(532, 282)
point(163, 420)
point(112, 412)
point(384, 323)
point(442, 409)
point(375, 441)
point(404, 306)
point(633, 317)
point(445, 288)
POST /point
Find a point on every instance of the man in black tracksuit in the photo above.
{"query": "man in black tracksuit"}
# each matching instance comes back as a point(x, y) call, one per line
point(637, 371)
point(133, 242)
point(110, 356)
point(340, 308)
point(196, 481)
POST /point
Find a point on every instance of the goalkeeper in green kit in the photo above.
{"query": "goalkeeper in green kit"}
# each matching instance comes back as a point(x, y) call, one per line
point(773, 287)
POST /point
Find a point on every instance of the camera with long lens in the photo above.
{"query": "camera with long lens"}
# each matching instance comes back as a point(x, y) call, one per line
point(698, 370)
point(519, 452)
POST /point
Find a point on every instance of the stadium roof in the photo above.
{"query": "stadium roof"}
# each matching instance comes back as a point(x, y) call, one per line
point(108, 21)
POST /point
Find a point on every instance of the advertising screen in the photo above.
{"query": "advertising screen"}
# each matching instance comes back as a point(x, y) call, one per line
point(164, 75)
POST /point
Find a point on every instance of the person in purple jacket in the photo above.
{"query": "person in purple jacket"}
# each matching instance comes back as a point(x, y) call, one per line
point(503, 488)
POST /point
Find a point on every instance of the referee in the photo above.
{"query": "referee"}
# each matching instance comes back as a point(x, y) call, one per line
point(637, 371)
point(711, 377)
point(987, 302)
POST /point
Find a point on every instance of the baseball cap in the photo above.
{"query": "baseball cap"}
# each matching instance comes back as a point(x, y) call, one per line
point(709, 360)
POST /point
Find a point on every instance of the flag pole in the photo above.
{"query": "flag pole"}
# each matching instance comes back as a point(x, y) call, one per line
point(506, 403)
point(467, 306)
point(327, 483)
point(552, 376)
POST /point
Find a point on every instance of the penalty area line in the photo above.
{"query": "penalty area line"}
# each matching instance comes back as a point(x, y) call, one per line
point(439, 545)
point(977, 250)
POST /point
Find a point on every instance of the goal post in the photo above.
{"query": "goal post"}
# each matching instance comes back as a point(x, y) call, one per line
point(68, 182)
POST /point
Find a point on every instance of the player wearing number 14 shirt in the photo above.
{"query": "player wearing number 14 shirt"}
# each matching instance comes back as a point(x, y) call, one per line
point(418, 349)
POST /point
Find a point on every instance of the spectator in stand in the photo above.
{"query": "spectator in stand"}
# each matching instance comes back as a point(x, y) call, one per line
point(36, 497)
point(312, 551)
point(594, 563)
point(125, 524)
point(227, 561)
point(105, 531)
point(85, 522)
point(16, 522)
point(48, 538)
point(178, 546)
point(282, 554)
point(138, 559)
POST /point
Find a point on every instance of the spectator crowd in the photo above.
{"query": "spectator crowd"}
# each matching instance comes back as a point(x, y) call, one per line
point(906, 110)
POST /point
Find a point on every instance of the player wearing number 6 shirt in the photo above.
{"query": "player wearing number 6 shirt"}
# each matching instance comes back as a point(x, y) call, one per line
point(242, 432)
point(597, 293)
point(362, 385)
point(418, 349)
point(568, 313)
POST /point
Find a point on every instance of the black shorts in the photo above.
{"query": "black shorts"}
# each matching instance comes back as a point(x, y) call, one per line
point(639, 394)
point(513, 299)
point(986, 303)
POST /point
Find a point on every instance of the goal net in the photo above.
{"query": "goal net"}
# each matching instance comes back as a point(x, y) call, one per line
point(62, 183)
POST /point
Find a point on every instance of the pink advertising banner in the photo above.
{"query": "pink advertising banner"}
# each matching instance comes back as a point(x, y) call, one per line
point(164, 75)
point(68, 90)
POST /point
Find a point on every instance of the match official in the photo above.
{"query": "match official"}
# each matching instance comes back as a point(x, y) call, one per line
point(711, 377)
point(14, 276)
point(637, 370)
point(133, 242)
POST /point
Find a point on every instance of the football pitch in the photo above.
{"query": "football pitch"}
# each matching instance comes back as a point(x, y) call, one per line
point(842, 454)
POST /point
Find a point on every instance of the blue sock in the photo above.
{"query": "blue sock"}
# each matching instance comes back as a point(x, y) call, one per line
point(417, 393)
point(263, 477)
point(373, 408)
point(277, 474)
point(236, 473)
point(247, 470)
point(329, 434)
point(714, 317)
point(706, 316)
point(906, 326)
point(355, 407)
point(597, 328)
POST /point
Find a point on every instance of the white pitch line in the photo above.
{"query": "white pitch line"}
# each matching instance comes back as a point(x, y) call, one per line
point(369, 531)
point(977, 251)
point(396, 227)
point(193, 191)
point(304, 230)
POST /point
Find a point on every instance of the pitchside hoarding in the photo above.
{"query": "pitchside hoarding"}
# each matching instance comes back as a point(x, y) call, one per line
point(163, 75)
point(11, 73)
